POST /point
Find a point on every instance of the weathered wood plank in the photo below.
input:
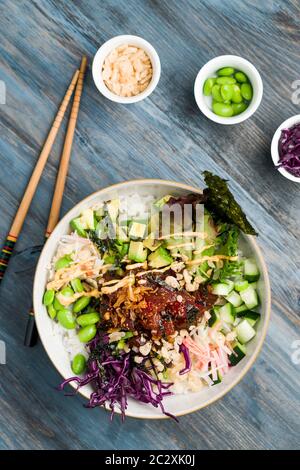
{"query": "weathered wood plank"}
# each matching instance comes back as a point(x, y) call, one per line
point(164, 136)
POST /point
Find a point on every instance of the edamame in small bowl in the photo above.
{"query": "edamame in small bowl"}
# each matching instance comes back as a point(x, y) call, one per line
point(228, 89)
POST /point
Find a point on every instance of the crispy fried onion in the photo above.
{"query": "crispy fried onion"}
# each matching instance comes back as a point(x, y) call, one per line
point(81, 270)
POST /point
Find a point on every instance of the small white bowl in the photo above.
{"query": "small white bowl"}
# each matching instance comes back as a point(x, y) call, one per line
point(104, 51)
point(210, 69)
point(274, 146)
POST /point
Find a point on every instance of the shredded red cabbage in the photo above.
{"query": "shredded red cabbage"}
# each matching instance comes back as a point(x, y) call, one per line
point(188, 362)
point(289, 150)
point(115, 377)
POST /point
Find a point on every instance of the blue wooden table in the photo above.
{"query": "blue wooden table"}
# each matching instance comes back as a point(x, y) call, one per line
point(164, 136)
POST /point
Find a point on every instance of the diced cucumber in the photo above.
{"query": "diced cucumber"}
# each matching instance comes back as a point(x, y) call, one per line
point(137, 252)
point(218, 380)
point(234, 298)
point(253, 285)
point(239, 310)
point(226, 328)
point(137, 230)
point(160, 258)
point(77, 226)
point(251, 271)
point(241, 285)
point(224, 288)
point(238, 354)
point(237, 321)
point(226, 313)
point(252, 317)
point(249, 297)
point(245, 332)
point(214, 316)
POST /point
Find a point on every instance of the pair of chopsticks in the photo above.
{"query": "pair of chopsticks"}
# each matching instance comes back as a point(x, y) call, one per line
point(77, 81)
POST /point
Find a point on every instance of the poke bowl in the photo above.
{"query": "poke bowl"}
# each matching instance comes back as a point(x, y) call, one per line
point(201, 349)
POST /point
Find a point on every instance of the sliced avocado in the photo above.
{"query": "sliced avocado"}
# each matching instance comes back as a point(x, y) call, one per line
point(122, 234)
point(160, 258)
point(137, 230)
point(101, 229)
point(112, 208)
point(76, 225)
point(151, 243)
point(137, 252)
point(87, 219)
point(99, 213)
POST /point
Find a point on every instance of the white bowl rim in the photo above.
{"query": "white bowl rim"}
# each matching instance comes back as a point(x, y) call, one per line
point(199, 97)
point(114, 42)
point(258, 253)
point(274, 146)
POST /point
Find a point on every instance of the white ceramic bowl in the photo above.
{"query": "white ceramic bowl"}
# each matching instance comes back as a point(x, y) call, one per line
point(210, 69)
point(103, 52)
point(177, 404)
point(274, 146)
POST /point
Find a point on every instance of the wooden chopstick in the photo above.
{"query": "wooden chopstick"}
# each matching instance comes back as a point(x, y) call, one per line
point(66, 153)
point(31, 332)
point(34, 180)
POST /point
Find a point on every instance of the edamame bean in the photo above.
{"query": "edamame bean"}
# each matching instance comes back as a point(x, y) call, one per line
point(78, 364)
point(67, 292)
point(225, 80)
point(87, 333)
point(226, 92)
point(56, 304)
point(238, 108)
point(236, 94)
point(225, 71)
point(246, 91)
point(48, 297)
point(240, 77)
point(63, 262)
point(81, 303)
point(66, 319)
point(215, 91)
point(222, 109)
point(51, 311)
point(88, 319)
point(77, 285)
point(208, 84)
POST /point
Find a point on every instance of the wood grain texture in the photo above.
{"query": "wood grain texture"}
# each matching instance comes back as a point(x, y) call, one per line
point(164, 136)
